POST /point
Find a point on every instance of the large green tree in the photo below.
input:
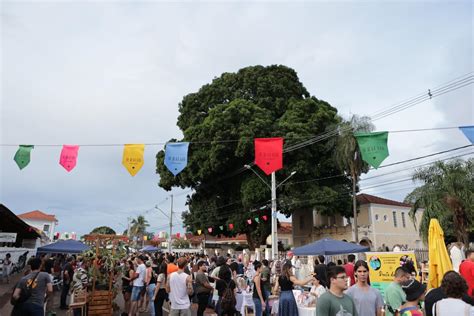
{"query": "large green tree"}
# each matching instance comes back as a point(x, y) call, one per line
point(349, 159)
point(221, 121)
point(447, 194)
point(103, 230)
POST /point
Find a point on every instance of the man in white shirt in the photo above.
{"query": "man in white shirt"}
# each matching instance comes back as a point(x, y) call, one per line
point(179, 287)
point(138, 284)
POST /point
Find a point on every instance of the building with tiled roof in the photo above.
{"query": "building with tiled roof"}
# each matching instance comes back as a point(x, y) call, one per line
point(382, 223)
point(45, 223)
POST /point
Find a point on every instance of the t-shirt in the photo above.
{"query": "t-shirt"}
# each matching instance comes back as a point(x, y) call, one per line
point(332, 305)
point(466, 269)
point(452, 306)
point(141, 270)
point(367, 301)
point(349, 267)
point(70, 272)
point(178, 291)
point(162, 280)
point(411, 311)
point(394, 296)
point(438, 294)
point(38, 287)
point(201, 279)
point(171, 268)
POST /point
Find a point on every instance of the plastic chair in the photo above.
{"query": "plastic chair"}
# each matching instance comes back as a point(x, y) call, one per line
point(79, 301)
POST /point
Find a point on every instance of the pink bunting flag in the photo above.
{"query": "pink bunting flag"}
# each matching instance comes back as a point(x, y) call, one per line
point(265, 217)
point(178, 235)
point(68, 157)
point(209, 229)
point(249, 221)
point(231, 226)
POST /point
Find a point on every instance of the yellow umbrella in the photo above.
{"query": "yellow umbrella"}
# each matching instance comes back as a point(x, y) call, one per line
point(439, 261)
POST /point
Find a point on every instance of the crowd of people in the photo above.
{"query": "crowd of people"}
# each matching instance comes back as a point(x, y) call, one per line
point(148, 281)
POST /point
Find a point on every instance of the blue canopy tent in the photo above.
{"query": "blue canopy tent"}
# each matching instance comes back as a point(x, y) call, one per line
point(328, 246)
point(64, 246)
point(150, 249)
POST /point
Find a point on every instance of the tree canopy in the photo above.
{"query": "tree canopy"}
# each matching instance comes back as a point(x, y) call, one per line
point(446, 194)
point(221, 121)
point(103, 230)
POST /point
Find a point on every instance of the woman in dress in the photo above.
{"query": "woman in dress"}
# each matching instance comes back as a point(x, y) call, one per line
point(287, 303)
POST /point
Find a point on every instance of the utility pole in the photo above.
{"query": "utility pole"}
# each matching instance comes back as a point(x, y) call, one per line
point(171, 224)
point(274, 219)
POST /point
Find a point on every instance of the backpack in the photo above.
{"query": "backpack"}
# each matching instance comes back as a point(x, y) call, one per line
point(228, 300)
point(25, 292)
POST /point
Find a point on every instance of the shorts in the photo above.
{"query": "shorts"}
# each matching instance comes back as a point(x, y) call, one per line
point(136, 290)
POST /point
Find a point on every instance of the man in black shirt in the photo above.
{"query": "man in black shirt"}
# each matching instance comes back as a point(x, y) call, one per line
point(68, 272)
point(321, 270)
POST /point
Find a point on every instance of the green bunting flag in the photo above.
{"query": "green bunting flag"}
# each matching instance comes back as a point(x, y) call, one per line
point(221, 227)
point(22, 156)
point(257, 219)
point(373, 147)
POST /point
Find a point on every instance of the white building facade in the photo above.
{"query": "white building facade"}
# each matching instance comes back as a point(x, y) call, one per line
point(44, 222)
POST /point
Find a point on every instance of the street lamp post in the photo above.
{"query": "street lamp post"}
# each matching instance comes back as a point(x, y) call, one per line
point(273, 188)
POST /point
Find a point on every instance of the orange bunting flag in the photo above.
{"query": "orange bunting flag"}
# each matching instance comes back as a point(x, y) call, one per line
point(231, 226)
point(68, 158)
point(199, 232)
point(269, 154)
point(133, 157)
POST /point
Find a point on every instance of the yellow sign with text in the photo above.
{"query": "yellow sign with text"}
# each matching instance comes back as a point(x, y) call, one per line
point(382, 266)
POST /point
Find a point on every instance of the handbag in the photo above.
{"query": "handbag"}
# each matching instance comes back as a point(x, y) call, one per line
point(25, 293)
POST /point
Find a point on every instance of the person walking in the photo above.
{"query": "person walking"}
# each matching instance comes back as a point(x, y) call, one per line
point(203, 288)
point(286, 281)
point(258, 294)
point(394, 294)
point(334, 302)
point(179, 287)
point(160, 294)
point(455, 287)
point(368, 301)
point(138, 282)
point(7, 267)
point(40, 286)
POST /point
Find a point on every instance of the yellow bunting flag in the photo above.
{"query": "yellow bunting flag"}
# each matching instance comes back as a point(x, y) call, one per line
point(133, 157)
point(199, 232)
point(145, 238)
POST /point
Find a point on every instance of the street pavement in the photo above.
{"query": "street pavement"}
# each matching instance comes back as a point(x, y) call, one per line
point(6, 307)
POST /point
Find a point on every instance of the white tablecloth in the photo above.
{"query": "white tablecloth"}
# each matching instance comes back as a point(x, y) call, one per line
point(244, 299)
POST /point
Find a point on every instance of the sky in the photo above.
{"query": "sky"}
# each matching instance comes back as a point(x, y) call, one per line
point(114, 72)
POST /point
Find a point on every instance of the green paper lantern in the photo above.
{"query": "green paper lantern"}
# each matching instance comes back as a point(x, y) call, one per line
point(23, 155)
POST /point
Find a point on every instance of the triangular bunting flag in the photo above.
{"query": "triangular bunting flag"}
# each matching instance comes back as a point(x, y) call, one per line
point(178, 235)
point(132, 158)
point(249, 221)
point(468, 131)
point(269, 154)
point(22, 155)
point(265, 217)
point(199, 232)
point(68, 158)
point(209, 229)
point(373, 147)
point(231, 226)
point(257, 219)
point(176, 157)
point(221, 227)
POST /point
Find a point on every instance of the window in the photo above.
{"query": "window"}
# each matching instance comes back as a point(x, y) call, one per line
point(394, 218)
point(377, 217)
point(301, 222)
point(403, 220)
point(385, 218)
point(46, 228)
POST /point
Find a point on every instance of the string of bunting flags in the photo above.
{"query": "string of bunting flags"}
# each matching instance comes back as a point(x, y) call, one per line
point(268, 153)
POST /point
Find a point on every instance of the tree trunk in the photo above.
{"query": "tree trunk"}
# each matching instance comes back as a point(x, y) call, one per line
point(250, 241)
point(460, 225)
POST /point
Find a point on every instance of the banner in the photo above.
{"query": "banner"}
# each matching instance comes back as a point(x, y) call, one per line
point(176, 157)
point(373, 147)
point(68, 158)
point(133, 158)
point(22, 155)
point(382, 267)
point(269, 154)
point(468, 131)
point(7, 237)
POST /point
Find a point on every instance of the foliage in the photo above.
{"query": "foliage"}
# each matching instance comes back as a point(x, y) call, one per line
point(254, 102)
point(103, 230)
point(181, 243)
point(138, 226)
point(446, 194)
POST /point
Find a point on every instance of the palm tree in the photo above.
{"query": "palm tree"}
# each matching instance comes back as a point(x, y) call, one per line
point(349, 159)
point(138, 226)
point(448, 195)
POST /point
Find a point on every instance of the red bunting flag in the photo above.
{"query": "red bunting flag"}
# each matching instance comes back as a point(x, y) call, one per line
point(265, 217)
point(231, 226)
point(249, 221)
point(178, 235)
point(269, 154)
point(209, 229)
point(68, 158)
